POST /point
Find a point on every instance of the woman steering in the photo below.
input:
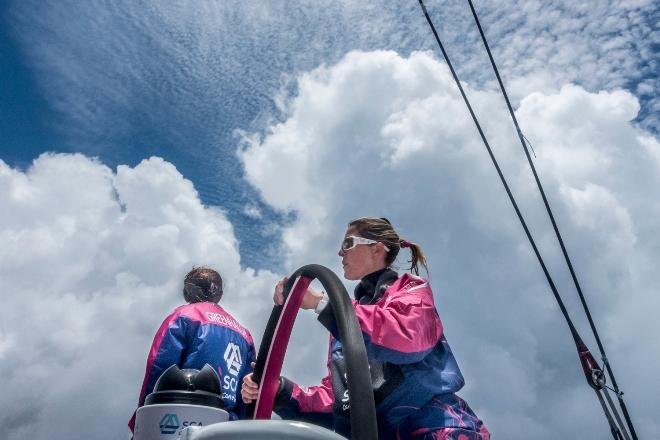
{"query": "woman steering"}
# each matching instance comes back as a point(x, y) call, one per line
point(414, 374)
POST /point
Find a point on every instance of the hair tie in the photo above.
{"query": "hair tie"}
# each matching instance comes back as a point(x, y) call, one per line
point(405, 244)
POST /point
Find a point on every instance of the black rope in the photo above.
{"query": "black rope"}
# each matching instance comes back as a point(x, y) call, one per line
point(554, 226)
point(585, 357)
point(574, 332)
point(530, 145)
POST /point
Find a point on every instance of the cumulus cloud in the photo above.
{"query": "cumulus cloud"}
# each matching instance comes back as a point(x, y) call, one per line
point(365, 134)
point(130, 79)
point(91, 261)
point(91, 258)
point(384, 135)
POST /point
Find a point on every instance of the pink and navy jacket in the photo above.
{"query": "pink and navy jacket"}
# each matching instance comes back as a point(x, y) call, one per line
point(410, 361)
point(194, 335)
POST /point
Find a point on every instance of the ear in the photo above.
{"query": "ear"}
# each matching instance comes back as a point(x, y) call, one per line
point(380, 253)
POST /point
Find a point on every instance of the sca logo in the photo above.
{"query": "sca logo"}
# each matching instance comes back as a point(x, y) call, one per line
point(233, 359)
point(169, 424)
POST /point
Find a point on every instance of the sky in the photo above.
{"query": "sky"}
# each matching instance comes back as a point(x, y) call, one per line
point(138, 139)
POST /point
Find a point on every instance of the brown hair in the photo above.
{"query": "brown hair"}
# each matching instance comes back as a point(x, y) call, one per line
point(381, 230)
point(202, 284)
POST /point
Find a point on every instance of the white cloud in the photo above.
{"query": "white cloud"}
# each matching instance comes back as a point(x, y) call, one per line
point(191, 60)
point(91, 261)
point(373, 134)
point(652, 146)
point(378, 134)
point(252, 211)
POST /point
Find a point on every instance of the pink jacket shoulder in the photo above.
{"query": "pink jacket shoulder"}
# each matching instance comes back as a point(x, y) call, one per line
point(210, 313)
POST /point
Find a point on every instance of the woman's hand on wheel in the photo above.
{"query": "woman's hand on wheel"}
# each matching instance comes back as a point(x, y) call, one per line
point(309, 301)
point(278, 296)
point(249, 389)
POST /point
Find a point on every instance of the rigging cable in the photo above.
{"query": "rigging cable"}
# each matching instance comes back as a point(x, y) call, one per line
point(555, 227)
point(593, 373)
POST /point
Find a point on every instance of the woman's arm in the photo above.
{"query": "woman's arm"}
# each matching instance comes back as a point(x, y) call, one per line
point(401, 328)
point(312, 404)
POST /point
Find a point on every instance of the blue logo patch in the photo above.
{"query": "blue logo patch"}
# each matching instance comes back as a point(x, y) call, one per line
point(169, 424)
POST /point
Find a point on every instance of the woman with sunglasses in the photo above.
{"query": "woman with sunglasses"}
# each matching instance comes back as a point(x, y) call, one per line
point(414, 373)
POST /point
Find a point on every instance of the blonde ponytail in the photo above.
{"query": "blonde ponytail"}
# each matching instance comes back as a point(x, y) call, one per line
point(416, 256)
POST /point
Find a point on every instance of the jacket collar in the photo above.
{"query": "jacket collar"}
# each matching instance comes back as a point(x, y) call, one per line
point(372, 286)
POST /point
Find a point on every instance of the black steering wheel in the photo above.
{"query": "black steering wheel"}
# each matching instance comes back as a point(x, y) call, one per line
point(276, 338)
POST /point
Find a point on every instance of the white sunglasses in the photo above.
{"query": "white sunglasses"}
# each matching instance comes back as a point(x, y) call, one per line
point(351, 241)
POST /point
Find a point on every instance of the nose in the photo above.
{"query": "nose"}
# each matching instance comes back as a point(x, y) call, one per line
point(341, 252)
